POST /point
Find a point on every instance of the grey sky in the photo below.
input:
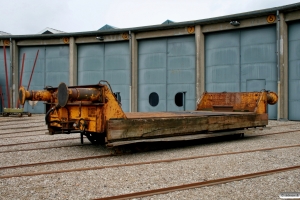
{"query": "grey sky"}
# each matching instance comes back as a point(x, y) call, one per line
point(31, 16)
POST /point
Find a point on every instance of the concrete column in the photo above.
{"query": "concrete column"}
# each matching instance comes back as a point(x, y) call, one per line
point(200, 64)
point(72, 62)
point(283, 65)
point(134, 73)
point(14, 57)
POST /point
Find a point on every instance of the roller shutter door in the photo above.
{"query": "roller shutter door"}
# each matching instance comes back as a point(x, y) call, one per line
point(52, 68)
point(106, 61)
point(294, 71)
point(166, 74)
point(242, 60)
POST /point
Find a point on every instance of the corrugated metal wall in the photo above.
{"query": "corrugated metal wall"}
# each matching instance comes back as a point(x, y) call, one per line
point(242, 60)
point(106, 61)
point(294, 71)
point(166, 69)
point(2, 76)
point(52, 68)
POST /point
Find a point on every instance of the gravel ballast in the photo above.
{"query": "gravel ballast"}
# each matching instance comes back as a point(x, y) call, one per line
point(121, 180)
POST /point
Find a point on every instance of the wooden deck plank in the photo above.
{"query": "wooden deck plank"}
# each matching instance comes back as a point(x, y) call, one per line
point(140, 115)
point(134, 128)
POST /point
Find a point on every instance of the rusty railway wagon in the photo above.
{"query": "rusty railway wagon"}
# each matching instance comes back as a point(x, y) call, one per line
point(94, 111)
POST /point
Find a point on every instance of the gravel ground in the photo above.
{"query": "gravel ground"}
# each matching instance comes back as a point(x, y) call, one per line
point(121, 180)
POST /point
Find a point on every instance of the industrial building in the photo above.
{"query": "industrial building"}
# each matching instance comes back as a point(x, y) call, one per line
point(167, 67)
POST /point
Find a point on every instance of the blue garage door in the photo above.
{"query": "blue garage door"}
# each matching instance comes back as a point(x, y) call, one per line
point(294, 71)
point(242, 60)
point(106, 61)
point(166, 76)
point(52, 68)
point(3, 77)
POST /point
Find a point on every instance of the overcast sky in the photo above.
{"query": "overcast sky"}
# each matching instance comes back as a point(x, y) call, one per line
point(32, 16)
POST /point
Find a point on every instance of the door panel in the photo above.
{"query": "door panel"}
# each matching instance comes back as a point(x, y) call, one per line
point(294, 71)
point(235, 57)
point(106, 61)
point(166, 67)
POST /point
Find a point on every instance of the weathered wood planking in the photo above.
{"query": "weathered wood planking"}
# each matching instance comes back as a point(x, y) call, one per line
point(127, 129)
point(177, 138)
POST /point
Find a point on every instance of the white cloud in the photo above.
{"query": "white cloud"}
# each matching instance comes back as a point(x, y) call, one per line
point(31, 16)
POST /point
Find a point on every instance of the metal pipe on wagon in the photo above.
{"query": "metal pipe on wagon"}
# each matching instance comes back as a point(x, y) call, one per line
point(39, 95)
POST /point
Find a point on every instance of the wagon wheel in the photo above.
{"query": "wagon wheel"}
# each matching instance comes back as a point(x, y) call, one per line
point(95, 138)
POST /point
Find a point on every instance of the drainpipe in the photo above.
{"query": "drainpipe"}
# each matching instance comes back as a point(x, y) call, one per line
point(130, 64)
point(12, 76)
point(278, 64)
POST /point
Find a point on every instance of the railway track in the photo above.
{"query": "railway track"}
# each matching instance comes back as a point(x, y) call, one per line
point(44, 129)
point(21, 136)
point(43, 148)
point(199, 184)
point(122, 165)
point(24, 143)
point(21, 127)
point(25, 173)
point(20, 120)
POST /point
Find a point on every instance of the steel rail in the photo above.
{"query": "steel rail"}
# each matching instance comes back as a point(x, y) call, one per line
point(91, 144)
point(20, 127)
point(56, 161)
point(291, 124)
point(199, 184)
point(10, 133)
point(135, 164)
point(18, 119)
point(43, 148)
point(15, 144)
point(21, 136)
point(283, 132)
point(13, 122)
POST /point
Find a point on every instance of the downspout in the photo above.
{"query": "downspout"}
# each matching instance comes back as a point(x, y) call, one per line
point(12, 76)
point(278, 64)
point(130, 64)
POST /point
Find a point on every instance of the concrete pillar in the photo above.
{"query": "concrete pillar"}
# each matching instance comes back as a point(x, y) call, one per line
point(14, 57)
point(283, 66)
point(200, 64)
point(134, 72)
point(72, 62)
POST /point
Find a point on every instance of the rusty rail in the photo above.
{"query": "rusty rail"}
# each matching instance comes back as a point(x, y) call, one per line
point(15, 144)
point(199, 184)
point(42, 148)
point(130, 164)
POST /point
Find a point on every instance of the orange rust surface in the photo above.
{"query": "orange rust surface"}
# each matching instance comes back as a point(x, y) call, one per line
point(38, 95)
point(92, 108)
point(240, 101)
point(95, 115)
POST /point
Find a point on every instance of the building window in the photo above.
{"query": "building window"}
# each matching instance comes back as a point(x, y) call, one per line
point(179, 99)
point(153, 99)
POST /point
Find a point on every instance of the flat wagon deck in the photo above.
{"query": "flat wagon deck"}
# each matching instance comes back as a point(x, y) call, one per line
point(94, 111)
